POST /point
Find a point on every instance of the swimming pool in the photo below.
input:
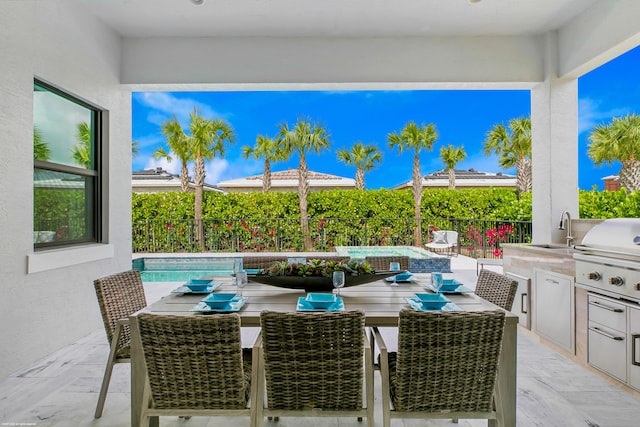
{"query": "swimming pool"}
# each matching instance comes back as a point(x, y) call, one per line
point(181, 269)
point(420, 260)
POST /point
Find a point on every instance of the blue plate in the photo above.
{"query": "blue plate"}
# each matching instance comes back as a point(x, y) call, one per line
point(235, 305)
point(458, 290)
point(400, 278)
point(184, 290)
point(303, 305)
point(417, 305)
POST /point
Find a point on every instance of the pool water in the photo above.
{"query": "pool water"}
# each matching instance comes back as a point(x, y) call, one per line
point(365, 251)
point(420, 260)
point(180, 269)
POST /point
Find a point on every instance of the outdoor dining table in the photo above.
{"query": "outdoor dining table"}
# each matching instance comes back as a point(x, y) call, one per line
point(380, 302)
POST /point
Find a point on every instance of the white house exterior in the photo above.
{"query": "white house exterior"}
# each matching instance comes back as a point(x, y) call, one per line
point(159, 180)
point(100, 51)
point(464, 179)
point(288, 180)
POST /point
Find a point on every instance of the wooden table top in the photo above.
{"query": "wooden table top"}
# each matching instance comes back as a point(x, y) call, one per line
point(380, 301)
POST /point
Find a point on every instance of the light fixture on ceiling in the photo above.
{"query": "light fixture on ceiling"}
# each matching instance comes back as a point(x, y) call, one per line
point(197, 2)
point(474, 1)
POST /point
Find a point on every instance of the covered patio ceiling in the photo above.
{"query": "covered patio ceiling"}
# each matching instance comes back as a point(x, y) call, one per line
point(335, 18)
point(542, 46)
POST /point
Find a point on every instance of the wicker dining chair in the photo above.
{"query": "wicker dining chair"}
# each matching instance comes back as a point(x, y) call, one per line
point(381, 263)
point(445, 367)
point(313, 365)
point(496, 288)
point(119, 296)
point(195, 366)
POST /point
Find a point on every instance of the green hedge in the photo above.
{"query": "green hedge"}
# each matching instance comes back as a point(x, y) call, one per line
point(498, 204)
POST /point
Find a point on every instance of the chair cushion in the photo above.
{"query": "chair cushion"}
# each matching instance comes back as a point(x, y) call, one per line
point(440, 237)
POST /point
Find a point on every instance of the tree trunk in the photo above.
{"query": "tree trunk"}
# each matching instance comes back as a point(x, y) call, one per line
point(452, 179)
point(524, 175)
point(359, 179)
point(629, 176)
point(197, 208)
point(303, 191)
point(417, 200)
point(266, 178)
point(184, 177)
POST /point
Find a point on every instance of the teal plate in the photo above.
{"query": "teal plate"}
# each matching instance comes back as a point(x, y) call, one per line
point(417, 305)
point(459, 290)
point(303, 305)
point(185, 290)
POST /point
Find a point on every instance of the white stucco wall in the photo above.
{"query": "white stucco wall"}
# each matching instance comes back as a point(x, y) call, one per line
point(44, 311)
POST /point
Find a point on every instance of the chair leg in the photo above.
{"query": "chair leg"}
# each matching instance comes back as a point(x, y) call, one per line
point(107, 372)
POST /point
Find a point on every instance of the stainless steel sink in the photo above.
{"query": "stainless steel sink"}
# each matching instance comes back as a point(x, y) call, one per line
point(552, 246)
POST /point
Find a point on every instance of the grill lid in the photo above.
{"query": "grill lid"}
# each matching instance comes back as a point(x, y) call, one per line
point(617, 236)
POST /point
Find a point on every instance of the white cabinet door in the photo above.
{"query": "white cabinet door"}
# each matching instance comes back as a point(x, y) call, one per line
point(634, 348)
point(554, 308)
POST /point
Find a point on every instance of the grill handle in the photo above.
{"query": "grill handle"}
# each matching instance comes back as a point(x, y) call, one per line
point(606, 307)
point(601, 332)
point(598, 250)
point(634, 355)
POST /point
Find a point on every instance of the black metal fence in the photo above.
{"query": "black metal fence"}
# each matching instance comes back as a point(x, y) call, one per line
point(477, 238)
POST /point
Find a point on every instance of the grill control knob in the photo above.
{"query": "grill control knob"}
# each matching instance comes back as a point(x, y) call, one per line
point(616, 281)
point(594, 276)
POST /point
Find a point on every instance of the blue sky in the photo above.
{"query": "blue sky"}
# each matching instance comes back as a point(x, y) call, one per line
point(462, 118)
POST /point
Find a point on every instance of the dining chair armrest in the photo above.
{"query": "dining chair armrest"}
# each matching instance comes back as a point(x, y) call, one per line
point(377, 336)
point(124, 321)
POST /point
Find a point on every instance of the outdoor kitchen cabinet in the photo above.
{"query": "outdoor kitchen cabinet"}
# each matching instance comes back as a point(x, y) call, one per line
point(554, 308)
point(634, 347)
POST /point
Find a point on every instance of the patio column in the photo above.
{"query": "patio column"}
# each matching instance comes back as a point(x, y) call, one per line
point(554, 128)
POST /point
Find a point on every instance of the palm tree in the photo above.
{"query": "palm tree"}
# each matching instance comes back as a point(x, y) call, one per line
point(41, 150)
point(304, 137)
point(363, 157)
point(178, 143)
point(207, 141)
point(450, 157)
point(619, 141)
point(82, 152)
point(514, 147)
point(416, 138)
point(266, 148)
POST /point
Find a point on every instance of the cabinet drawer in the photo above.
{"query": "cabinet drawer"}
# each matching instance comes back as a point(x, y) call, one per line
point(608, 313)
point(607, 351)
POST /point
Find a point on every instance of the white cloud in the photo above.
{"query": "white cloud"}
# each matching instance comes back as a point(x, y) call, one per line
point(172, 167)
point(216, 170)
point(164, 106)
point(590, 114)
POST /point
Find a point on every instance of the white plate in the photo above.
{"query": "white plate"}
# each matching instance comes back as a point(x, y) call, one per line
point(185, 290)
point(235, 305)
point(417, 305)
point(303, 305)
point(459, 290)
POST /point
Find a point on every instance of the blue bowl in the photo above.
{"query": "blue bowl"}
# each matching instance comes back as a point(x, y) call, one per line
point(321, 300)
point(218, 300)
point(433, 301)
point(404, 276)
point(449, 285)
point(198, 285)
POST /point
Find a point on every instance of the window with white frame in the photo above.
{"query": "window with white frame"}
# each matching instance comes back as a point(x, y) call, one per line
point(67, 172)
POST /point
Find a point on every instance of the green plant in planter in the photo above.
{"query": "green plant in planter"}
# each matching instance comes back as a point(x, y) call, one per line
point(317, 267)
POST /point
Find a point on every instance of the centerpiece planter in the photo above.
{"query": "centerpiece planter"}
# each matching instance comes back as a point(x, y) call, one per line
point(315, 275)
point(317, 283)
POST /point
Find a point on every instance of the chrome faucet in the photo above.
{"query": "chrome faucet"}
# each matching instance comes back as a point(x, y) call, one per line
point(565, 223)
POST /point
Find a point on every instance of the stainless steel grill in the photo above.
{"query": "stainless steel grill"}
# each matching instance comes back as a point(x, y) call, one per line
point(608, 260)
